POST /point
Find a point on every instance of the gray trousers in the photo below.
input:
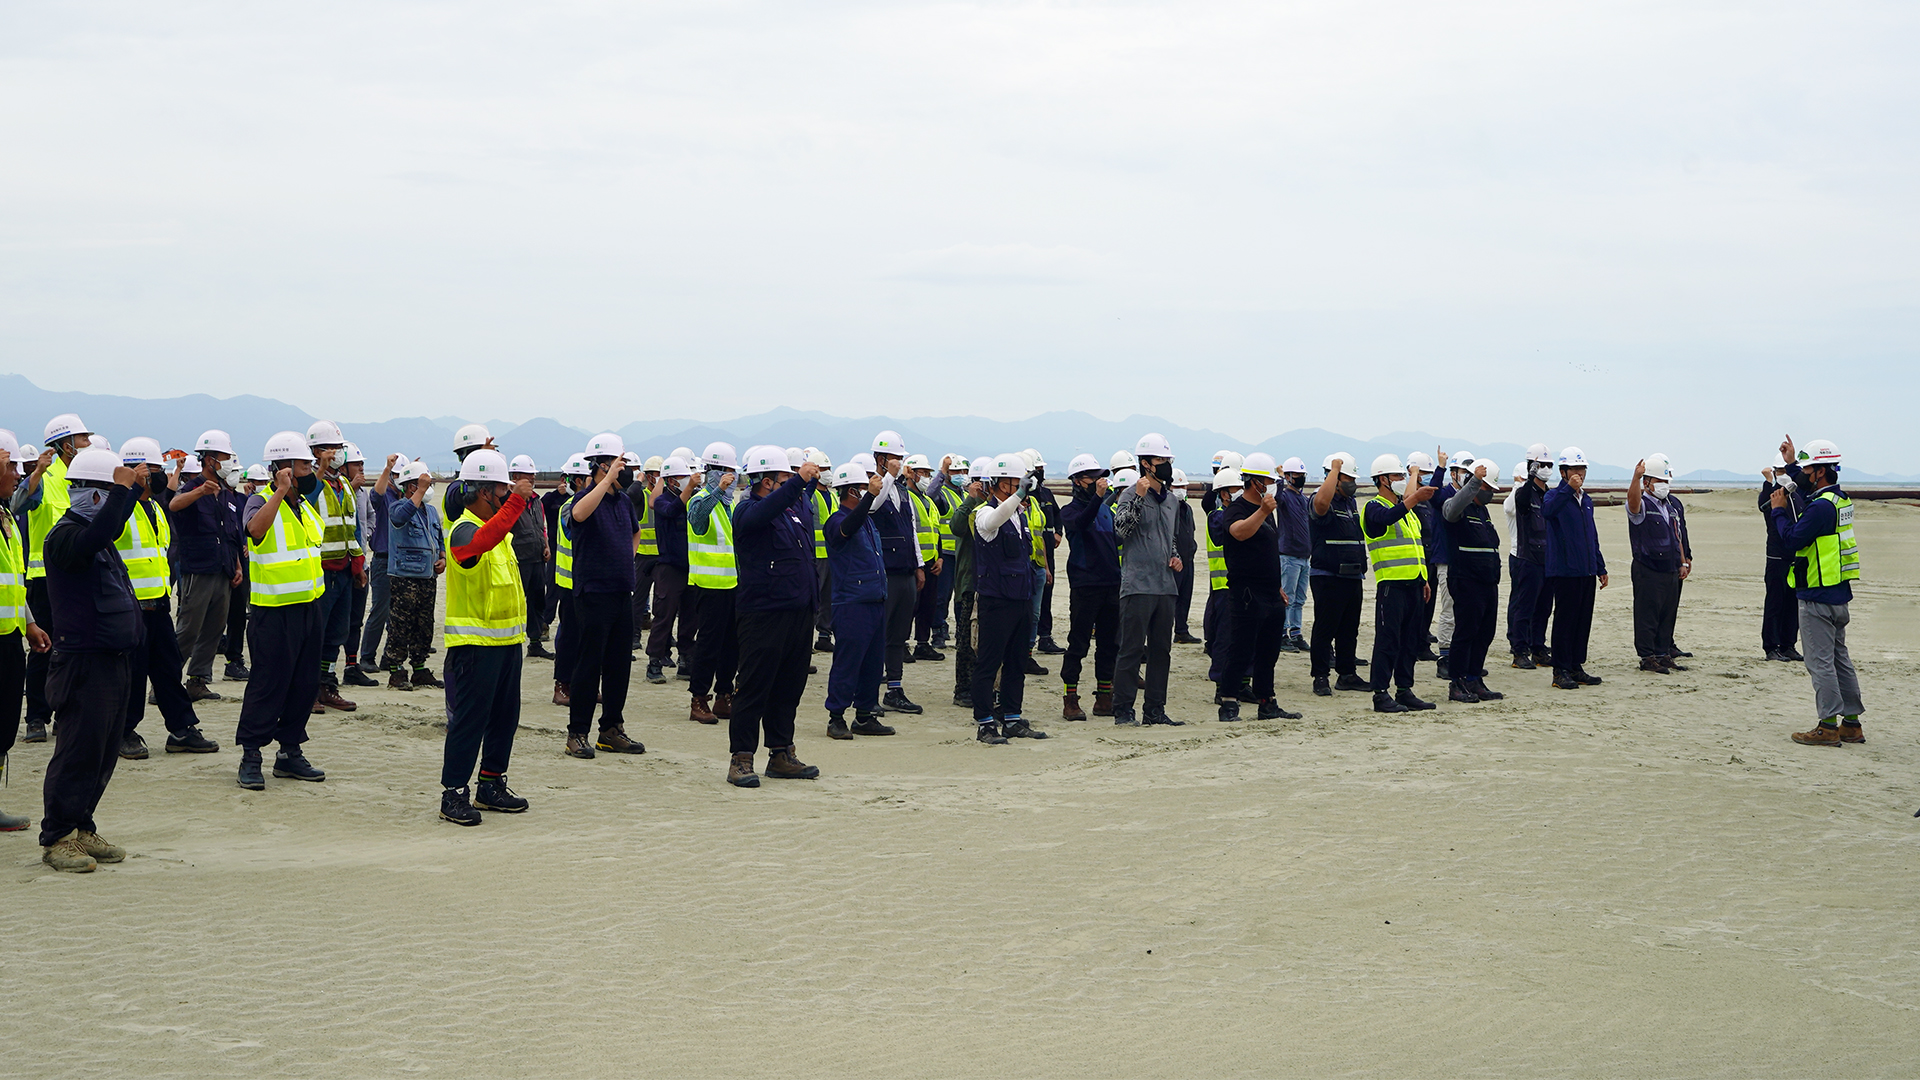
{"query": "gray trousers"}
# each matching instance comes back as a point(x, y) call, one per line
point(1146, 631)
point(1823, 639)
point(201, 620)
point(1443, 621)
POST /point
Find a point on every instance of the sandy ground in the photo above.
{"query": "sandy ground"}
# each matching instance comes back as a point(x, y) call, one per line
point(1644, 878)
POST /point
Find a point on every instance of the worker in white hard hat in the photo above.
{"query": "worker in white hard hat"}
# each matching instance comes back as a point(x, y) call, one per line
point(1662, 558)
point(469, 438)
point(960, 522)
point(895, 515)
point(1780, 615)
point(1249, 540)
point(1292, 518)
point(1004, 585)
point(1143, 521)
point(284, 630)
point(1338, 567)
point(713, 653)
point(859, 580)
point(676, 484)
point(19, 633)
point(207, 558)
point(416, 558)
point(1574, 565)
point(143, 545)
point(1473, 577)
point(603, 530)
point(1826, 563)
point(1401, 586)
point(342, 560)
point(42, 499)
point(1093, 587)
point(1529, 600)
point(531, 549)
point(1216, 627)
point(646, 550)
point(918, 470)
point(93, 598)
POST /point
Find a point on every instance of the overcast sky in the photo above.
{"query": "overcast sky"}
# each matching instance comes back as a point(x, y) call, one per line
point(1669, 226)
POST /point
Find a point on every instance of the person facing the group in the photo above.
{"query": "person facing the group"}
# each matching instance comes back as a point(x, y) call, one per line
point(1256, 606)
point(1826, 563)
point(1659, 562)
point(1574, 564)
point(1402, 589)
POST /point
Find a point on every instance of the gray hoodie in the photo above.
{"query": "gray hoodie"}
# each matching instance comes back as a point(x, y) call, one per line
point(1144, 525)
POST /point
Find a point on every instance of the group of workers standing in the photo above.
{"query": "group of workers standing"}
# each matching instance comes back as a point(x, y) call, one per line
point(734, 569)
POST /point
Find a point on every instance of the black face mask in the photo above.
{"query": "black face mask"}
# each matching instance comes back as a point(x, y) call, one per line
point(626, 478)
point(1804, 483)
point(1348, 486)
point(306, 485)
point(156, 483)
point(1163, 472)
point(1297, 482)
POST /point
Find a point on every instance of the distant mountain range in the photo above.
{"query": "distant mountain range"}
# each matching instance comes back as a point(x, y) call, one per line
point(1057, 435)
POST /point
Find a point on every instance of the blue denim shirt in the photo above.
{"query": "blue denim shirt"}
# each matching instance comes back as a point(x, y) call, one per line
point(414, 537)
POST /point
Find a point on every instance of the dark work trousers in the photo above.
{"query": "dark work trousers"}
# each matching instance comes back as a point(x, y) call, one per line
point(237, 608)
point(1259, 620)
point(1216, 630)
point(335, 611)
point(963, 642)
point(37, 710)
point(926, 608)
point(669, 609)
point(533, 583)
point(1336, 624)
point(1656, 603)
point(1183, 601)
point(1524, 598)
point(902, 597)
point(199, 618)
point(88, 692)
point(356, 620)
point(1572, 620)
point(566, 639)
point(159, 662)
point(1046, 607)
point(642, 592)
point(1146, 632)
point(483, 710)
point(285, 643)
point(859, 656)
point(1093, 619)
point(949, 570)
point(823, 615)
point(551, 612)
point(774, 650)
point(1475, 607)
point(602, 661)
point(714, 653)
point(379, 603)
point(1399, 632)
point(1780, 621)
point(13, 685)
point(1000, 652)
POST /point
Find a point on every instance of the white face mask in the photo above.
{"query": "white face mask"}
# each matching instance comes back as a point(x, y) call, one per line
point(1398, 487)
point(1661, 488)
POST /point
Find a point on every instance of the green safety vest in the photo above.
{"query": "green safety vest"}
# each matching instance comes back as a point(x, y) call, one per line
point(13, 579)
point(649, 542)
point(1216, 562)
point(1834, 557)
point(285, 563)
point(54, 501)
point(925, 532)
point(1037, 524)
point(563, 545)
point(947, 543)
point(485, 605)
point(822, 510)
point(341, 539)
point(710, 562)
point(1397, 554)
point(143, 548)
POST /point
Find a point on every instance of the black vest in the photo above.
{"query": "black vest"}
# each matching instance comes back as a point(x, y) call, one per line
point(1337, 546)
point(1003, 566)
point(94, 609)
point(899, 547)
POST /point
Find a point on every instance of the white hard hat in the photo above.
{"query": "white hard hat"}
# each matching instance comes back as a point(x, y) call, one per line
point(484, 464)
point(325, 433)
point(820, 459)
point(1537, 452)
point(1572, 458)
point(684, 453)
point(470, 435)
point(850, 475)
point(576, 466)
point(1027, 459)
point(521, 463)
point(796, 455)
point(190, 464)
point(1520, 472)
point(1818, 452)
point(652, 464)
point(1465, 461)
point(1421, 460)
point(1084, 463)
point(1034, 455)
point(630, 459)
point(981, 467)
point(1153, 444)
point(10, 443)
point(764, 459)
point(1179, 479)
point(1227, 477)
point(216, 441)
point(865, 461)
point(1343, 461)
point(140, 450)
point(916, 461)
point(1257, 464)
point(957, 461)
point(258, 473)
point(1229, 459)
point(675, 465)
point(1659, 467)
point(605, 444)
point(1008, 466)
point(64, 426)
point(1386, 463)
point(351, 454)
point(889, 442)
point(28, 452)
point(1492, 479)
point(1123, 478)
point(1293, 464)
point(720, 455)
point(1122, 459)
point(93, 463)
point(413, 470)
point(287, 446)
point(99, 442)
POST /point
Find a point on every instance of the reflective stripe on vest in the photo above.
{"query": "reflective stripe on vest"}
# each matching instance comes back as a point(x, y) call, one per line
point(563, 546)
point(924, 531)
point(822, 510)
point(285, 563)
point(649, 542)
point(1036, 527)
point(1834, 557)
point(710, 562)
point(485, 605)
point(54, 501)
point(1216, 564)
point(13, 582)
point(947, 543)
point(339, 524)
point(143, 548)
point(1397, 554)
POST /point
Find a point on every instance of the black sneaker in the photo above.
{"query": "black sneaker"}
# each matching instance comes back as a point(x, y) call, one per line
point(1017, 728)
point(133, 747)
point(1457, 690)
point(1124, 718)
point(963, 698)
point(1322, 687)
point(293, 765)
point(1792, 655)
point(495, 795)
point(1033, 666)
point(1161, 719)
point(250, 777)
point(190, 741)
point(1481, 691)
point(356, 677)
point(1047, 646)
point(837, 726)
point(1682, 652)
point(1229, 710)
point(909, 658)
point(236, 671)
point(454, 807)
point(537, 650)
point(1524, 662)
point(896, 701)
point(1543, 658)
point(989, 733)
point(865, 724)
point(1443, 668)
point(1564, 680)
point(823, 643)
point(1580, 676)
point(1352, 682)
point(927, 652)
point(1412, 701)
point(656, 674)
point(1383, 702)
point(36, 731)
point(1271, 710)
point(1185, 638)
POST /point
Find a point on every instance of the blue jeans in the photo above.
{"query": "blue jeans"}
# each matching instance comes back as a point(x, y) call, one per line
point(378, 605)
point(1293, 582)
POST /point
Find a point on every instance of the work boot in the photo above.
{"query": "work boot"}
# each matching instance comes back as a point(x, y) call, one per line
point(1124, 718)
point(1851, 731)
point(1271, 710)
point(1048, 647)
point(1014, 727)
point(13, 822)
point(1185, 638)
point(1229, 710)
point(1653, 664)
point(989, 733)
point(1322, 687)
point(655, 674)
point(963, 698)
point(67, 854)
point(397, 680)
point(1443, 668)
point(1161, 719)
point(1792, 655)
point(723, 706)
point(865, 724)
point(896, 701)
point(1103, 703)
point(837, 725)
point(614, 740)
point(1412, 701)
point(740, 771)
point(1564, 680)
point(1300, 644)
point(939, 639)
point(95, 845)
point(1670, 664)
point(190, 741)
point(1524, 662)
point(1070, 707)
point(924, 651)
point(782, 765)
point(1682, 653)
point(422, 677)
point(1580, 676)
point(908, 659)
point(454, 807)
point(537, 650)
point(813, 669)
point(1383, 702)
point(823, 643)
point(1457, 690)
point(1033, 666)
point(1822, 734)
point(356, 677)
point(1543, 658)
point(250, 777)
point(133, 747)
point(330, 697)
point(560, 695)
point(494, 794)
point(699, 713)
point(683, 671)
point(293, 765)
point(36, 731)
point(579, 745)
point(1427, 656)
point(1352, 682)
point(1481, 691)
point(235, 672)
point(197, 690)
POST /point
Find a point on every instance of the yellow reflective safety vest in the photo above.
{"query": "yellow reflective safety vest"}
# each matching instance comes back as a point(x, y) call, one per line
point(1833, 558)
point(143, 548)
point(341, 528)
point(947, 543)
point(54, 501)
point(285, 563)
point(1216, 561)
point(485, 605)
point(563, 545)
point(925, 532)
point(710, 562)
point(1036, 525)
point(649, 542)
point(13, 578)
point(822, 510)
point(1397, 554)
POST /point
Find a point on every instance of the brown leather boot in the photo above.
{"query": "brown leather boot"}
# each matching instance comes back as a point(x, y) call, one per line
point(782, 765)
point(1070, 708)
point(397, 680)
point(614, 740)
point(723, 706)
point(740, 771)
point(560, 695)
point(579, 746)
point(699, 713)
point(330, 697)
point(1103, 703)
point(1851, 731)
point(1821, 735)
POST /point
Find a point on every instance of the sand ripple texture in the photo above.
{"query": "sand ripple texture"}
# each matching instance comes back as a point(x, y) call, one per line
point(1645, 878)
